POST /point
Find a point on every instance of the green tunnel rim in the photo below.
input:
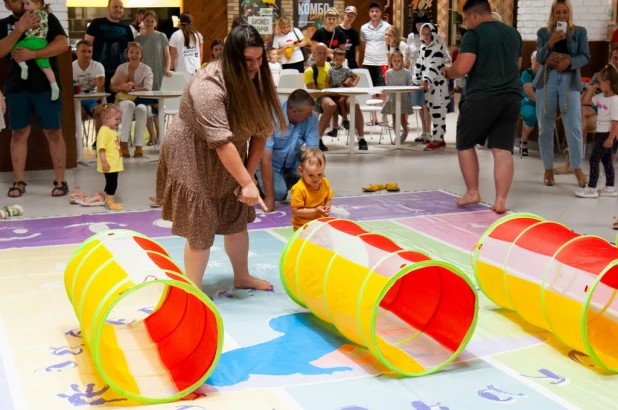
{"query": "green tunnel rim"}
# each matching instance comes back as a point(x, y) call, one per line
point(405, 271)
point(585, 305)
point(370, 268)
point(486, 234)
point(584, 323)
point(79, 308)
point(505, 271)
point(283, 258)
point(187, 287)
point(106, 237)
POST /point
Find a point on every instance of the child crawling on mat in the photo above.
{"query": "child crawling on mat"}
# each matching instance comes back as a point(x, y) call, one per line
point(311, 196)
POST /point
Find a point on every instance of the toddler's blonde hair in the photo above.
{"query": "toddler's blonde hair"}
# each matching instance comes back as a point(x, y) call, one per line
point(313, 156)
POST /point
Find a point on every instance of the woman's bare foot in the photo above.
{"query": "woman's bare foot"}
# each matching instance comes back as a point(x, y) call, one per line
point(249, 282)
point(469, 198)
point(499, 206)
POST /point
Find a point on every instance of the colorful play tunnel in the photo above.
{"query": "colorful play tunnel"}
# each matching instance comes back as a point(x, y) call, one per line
point(555, 279)
point(413, 313)
point(153, 335)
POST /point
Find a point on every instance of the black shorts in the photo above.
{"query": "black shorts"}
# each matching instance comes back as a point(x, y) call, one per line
point(318, 103)
point(21, 106)
point(493, 119)
point(376, 74)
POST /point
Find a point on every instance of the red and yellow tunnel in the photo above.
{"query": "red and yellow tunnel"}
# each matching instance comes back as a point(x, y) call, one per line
point(413, 313)
point(555, 279)
point(153, 335)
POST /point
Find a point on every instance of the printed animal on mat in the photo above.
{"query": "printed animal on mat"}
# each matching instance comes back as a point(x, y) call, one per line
point(305, 339)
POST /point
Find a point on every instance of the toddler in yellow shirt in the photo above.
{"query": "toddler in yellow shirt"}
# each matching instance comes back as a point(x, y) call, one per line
point(311, 196)
point(109, 155)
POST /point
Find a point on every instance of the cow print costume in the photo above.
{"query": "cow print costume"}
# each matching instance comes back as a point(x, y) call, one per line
point(429, 66)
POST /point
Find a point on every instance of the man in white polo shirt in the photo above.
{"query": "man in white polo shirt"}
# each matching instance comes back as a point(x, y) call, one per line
point(372, 38)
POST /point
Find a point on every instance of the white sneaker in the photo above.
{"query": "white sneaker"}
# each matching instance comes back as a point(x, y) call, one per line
point(587, 193)
point(608, 191)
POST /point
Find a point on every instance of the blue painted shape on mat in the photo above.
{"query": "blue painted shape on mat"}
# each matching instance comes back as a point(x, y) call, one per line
point(492, 393)
point(64, 350)
point(456, 387)
point(549, 375)
point(89, 397)
point(305, 339)
point(69, 364)
point(419, 405)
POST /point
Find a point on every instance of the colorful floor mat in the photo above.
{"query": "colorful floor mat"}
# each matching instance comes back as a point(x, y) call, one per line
point(276, 355)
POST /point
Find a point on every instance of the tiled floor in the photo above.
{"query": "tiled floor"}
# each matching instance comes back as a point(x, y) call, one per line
point(413, 170)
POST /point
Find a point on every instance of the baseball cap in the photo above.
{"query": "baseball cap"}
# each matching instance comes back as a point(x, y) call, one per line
point(351, 9)
point(375, 4)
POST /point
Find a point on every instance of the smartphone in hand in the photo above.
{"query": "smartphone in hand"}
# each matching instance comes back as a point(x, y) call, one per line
point(562, 26)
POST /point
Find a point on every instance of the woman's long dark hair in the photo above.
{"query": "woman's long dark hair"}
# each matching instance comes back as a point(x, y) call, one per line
point(253, 113)
point(186, 25)
point(419, 19)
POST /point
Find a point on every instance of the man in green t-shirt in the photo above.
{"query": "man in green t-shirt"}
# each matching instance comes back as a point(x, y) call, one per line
point(490, 55)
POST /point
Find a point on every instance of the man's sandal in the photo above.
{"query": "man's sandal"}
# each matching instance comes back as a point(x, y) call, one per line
point(63, 188)
point(16, 188)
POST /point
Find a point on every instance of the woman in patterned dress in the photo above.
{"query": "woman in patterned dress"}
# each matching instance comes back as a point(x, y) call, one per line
point(205, 175)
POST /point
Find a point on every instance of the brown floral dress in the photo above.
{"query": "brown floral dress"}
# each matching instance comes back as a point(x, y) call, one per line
point(195, 189)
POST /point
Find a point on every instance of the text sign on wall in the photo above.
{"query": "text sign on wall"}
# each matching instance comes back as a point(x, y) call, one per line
point(309, 15)
point(261, 14)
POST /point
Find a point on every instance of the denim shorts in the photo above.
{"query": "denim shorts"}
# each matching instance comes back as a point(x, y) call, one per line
point(418, 97)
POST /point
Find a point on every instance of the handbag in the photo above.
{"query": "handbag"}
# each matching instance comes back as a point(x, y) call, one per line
point(306, 50)
point(123, 97)
point(551, 62)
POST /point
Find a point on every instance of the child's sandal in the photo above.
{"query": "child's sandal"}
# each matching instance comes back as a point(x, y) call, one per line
point(96, 200)
point(374, 187)
point(615, 224)
point(113, 206)
point(392, 187)
point(76, 195)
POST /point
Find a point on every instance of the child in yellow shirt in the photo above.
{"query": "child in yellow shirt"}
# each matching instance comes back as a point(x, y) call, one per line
point(311, 196)
point(109, 155)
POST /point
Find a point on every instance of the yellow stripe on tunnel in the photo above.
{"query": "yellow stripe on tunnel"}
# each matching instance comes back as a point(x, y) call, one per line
point(113, 361)
point(312, 267)
point(491, 280)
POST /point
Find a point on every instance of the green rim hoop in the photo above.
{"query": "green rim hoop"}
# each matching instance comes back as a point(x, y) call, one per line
point(132, 396)
point(391, 282)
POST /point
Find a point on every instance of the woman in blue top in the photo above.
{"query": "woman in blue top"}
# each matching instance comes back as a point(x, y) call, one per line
point(562, 49)
point(528, 103)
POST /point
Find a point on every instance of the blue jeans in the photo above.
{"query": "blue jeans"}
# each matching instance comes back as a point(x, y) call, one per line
point(283, 181)
point(558, 87)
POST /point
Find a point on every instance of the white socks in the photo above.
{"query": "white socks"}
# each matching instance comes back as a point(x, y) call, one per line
point(24, 70)
point(55, 91)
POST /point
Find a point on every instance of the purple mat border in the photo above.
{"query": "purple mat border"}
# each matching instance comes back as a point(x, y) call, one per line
point(74, 229)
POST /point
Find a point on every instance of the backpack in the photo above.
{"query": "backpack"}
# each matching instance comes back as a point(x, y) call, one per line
point(314, 67)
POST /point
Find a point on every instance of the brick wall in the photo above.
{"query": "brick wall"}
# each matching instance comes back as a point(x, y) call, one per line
point(594, 15)
point(59, 8)
point(287, 9)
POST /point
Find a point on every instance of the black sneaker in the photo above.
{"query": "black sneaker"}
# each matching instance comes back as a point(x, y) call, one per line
point(323, 147)
point(362, 144)
point(346, 124)
point(332, 133)
point(523, 147)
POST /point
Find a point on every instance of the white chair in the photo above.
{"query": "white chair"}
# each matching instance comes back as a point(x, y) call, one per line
point(291, 79)
point(366, 102)
point(177, 82)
